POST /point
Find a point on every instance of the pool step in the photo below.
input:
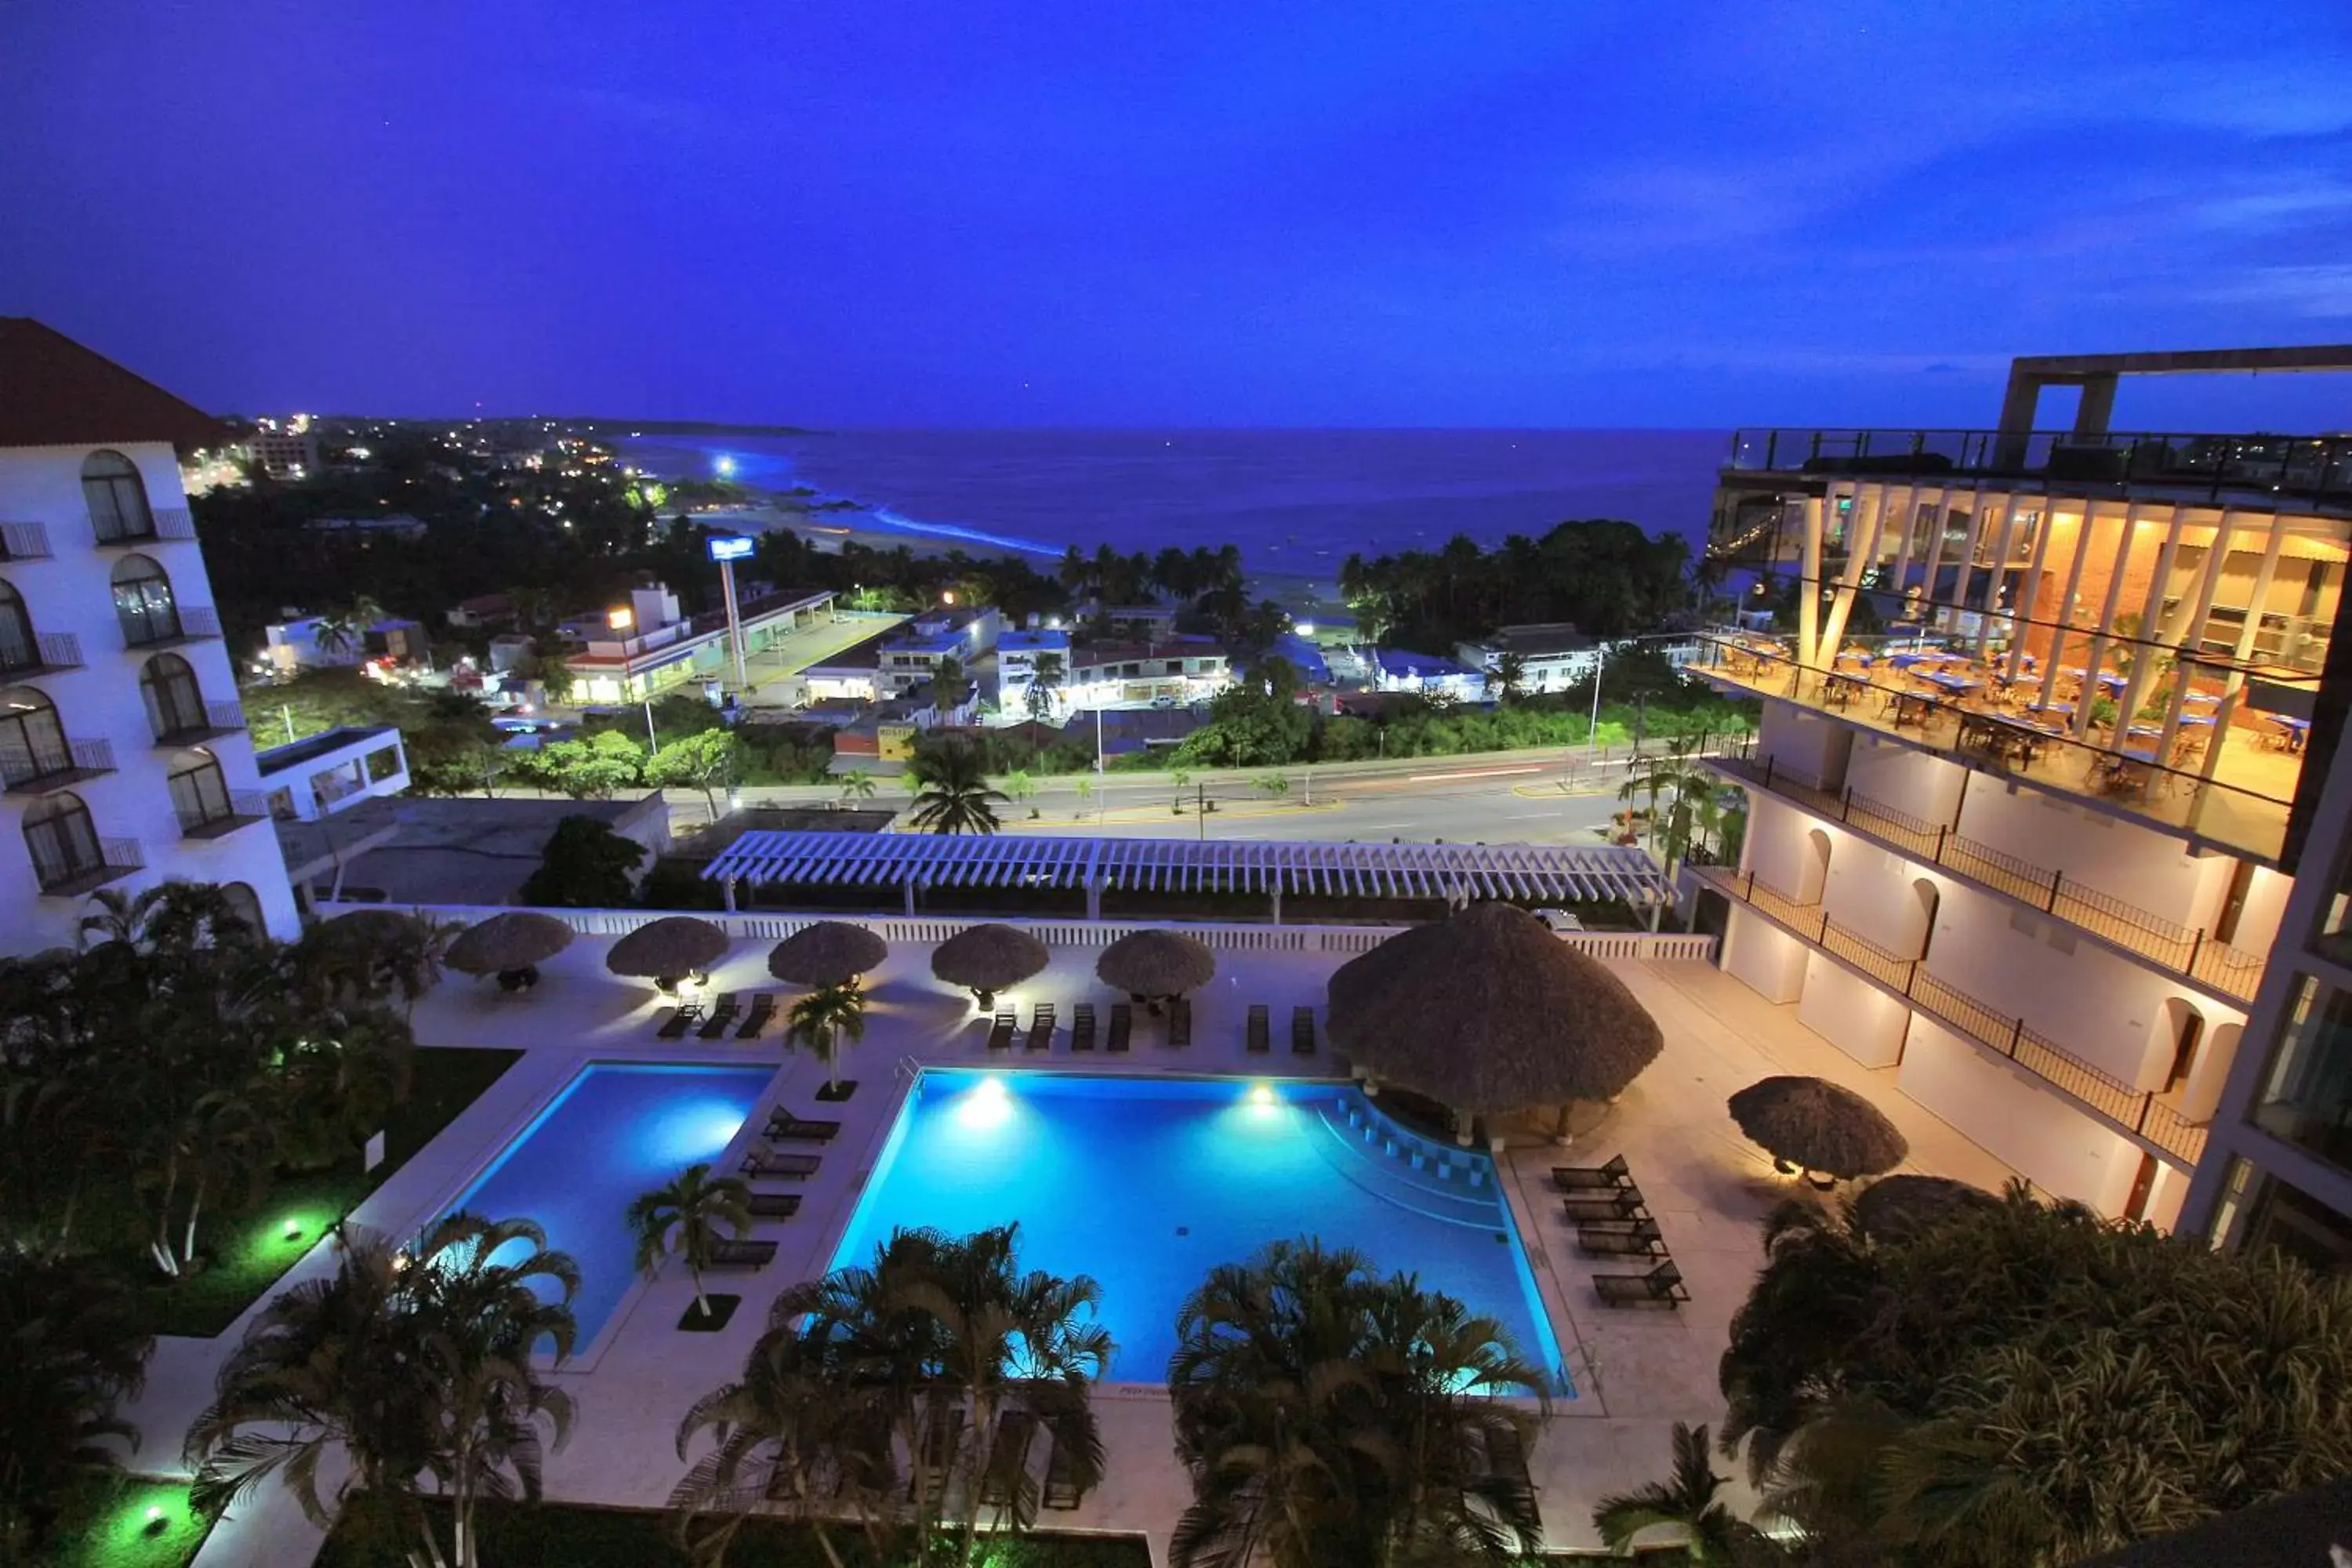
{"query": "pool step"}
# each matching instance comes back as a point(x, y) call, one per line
point(1430, 1178)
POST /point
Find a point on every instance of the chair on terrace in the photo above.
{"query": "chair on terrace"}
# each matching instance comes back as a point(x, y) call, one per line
point(1610, 1239)
point(1180, 1021)
point(784, 1167)
point(727, 1254)
point(1661, 1287)
point(720, 1016)
point(1302, 1031)
point(784, 1127)
point(1082, 1027)
point(772, 1206)
point(1625, 1202)
point(1008, 1458)
point(1259, 1043)
point(1584, 1178)
point(763, 1010)
point(1000, 1033)
point(1041, 1027)
point(681, 1018)
point(1122, 1025)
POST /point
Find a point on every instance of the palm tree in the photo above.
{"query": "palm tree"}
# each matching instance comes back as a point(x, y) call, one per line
point(826, 1018)
point(684, 1219)
point(953, 795)
point(70, 1348)
point(858, 784)
point(1511, 677)
point(1711, 1532)
point(1045, 685)
point(412, 1364)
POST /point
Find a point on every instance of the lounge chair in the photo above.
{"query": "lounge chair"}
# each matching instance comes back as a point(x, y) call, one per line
point(1122, 1025)
point(1506, 1462)
point(1180, 1021)
point(1302, 1031)
point(941, 1439)
point(681, 1018)
point(727, 1254)
point(1661, 1287)
point(1610, 1239)
point(1082, 1027)
point(1259, 1032)
point(785, 1167)
point(1000, 1033)
point(1041, 1027)
point(720, 1016)
point(784, 1127)
point(772, 1206)
point(1625, 1202)
point(1062, 1489)
point(1008, 1458)
point(763, 1010)
point(1585, 1178)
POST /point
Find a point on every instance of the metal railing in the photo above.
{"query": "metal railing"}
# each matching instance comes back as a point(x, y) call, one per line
point(23, 541)
point(209, 815)
point(28, 762)
point(48, 650)
point(2296, 467)
point(2136, 1110)
point(182, 724)
point(70, 868)
point(159, 522)
point(187, 622)
point(2190, 951)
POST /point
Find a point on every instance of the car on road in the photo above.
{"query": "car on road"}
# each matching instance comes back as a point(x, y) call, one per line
point(1559, 920)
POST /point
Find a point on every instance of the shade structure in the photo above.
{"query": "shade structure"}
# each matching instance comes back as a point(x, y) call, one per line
point(830, 953)
point(1894, 1208)
point(1813, 1123)
point(517, 938)
point(989, 958)
point(1489, 1012)
point(1156, 963)
point(668, 948)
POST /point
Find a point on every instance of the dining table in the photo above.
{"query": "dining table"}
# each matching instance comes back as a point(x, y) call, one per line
point(2293, 730)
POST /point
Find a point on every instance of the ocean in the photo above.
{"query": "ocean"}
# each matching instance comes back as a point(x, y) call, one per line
point(1297, 502)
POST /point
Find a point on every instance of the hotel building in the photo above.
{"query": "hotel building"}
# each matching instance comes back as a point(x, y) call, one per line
point(122, 749)
point(2031, 790)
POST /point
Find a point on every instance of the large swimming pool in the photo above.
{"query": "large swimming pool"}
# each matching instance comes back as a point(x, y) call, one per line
point(1148, 1184)
point(617, 1131)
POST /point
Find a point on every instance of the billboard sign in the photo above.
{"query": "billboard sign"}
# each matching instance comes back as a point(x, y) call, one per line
point(734, 548)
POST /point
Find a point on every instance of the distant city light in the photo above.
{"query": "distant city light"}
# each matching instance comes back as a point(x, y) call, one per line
point(1303, 629)
point(621, 620)
point(724, 465)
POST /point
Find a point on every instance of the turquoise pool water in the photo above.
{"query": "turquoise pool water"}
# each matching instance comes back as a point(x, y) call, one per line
point(1148, 1184)
point(617, 1131)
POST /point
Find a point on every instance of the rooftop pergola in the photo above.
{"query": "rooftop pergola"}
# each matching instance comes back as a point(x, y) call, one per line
point(1454, 873)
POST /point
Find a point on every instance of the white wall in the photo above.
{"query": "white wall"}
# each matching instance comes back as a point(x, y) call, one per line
point(1851, 1013)
point(2265, 906)
point(2120, 858)
point(1801, 739)
point(2003, 1108)
point(1770, 961)
point(1909, 781)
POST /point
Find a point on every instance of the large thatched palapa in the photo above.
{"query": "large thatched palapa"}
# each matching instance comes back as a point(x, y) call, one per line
point(987, 959)
point(1894, 1208)
point(1156, 963)
point(1818, 1125)
point(830, 953)
point(506, 944)
point(669, 948)
point(1489, 1012)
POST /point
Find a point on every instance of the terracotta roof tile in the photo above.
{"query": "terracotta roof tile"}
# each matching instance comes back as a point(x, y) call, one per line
point(56, 393)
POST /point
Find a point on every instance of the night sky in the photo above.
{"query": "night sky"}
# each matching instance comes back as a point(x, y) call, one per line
point(1115, 212)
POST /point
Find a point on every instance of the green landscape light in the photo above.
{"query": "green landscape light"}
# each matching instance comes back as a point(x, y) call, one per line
point(156, 1518)
point(293, 1229)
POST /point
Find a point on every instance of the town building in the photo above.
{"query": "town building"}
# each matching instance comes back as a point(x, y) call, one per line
point(399, 527)
point(851, 674)
point(122, 748)
point(1553, 655)
point(1426, 675)
point(648, 645)
point(334, 642)
point(913, 654)
point(483, 610)
point(283, 449)
point(2032, 787)
point(333, 771)
point(1018, 656)
point(1171, 671)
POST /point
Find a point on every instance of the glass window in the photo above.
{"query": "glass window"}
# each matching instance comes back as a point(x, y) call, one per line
point(142, 602)
point(32, 741)
point(174, 703)
point(2260, 1210)
point(116, 497)
point(199, 791)
point(19, 648)
point(2334, 935)
point(2307, 1092)
point(61, 839)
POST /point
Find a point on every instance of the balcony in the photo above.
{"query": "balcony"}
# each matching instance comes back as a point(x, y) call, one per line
point(88, 867)
point(2241, 807)
point(194, 724)
point(45, 765)
point(2139, 1112)
point(23, 541)
point(115, 532)
point(2188, 953)
point(190, 622)
point(49, 653)
point(215, 816)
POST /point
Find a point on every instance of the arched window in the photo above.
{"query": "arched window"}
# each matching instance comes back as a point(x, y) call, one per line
point(143, 603)
point(19, 648)
point(199, 790)
point(62, 839)
point(246, 905)
point(32, 740)
point(175, 703)
point(117, 498)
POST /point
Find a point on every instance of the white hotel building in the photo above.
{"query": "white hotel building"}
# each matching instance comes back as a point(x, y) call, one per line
point(123, 750)
point(2037, 875)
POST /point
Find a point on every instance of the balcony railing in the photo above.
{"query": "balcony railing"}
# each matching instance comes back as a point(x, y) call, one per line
point(219, 815)
point(188, 623)
point(23, 541)
point(47, 651)
point(85, 868)
point(44, 764)
point(191, 725)
point(112, 532)
point(2137, 1110)
point(2190, 951)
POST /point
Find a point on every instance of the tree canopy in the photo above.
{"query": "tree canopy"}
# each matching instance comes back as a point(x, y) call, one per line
point(1605, 576)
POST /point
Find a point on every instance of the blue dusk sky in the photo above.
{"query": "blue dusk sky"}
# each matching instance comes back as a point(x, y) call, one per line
point(1101, 212)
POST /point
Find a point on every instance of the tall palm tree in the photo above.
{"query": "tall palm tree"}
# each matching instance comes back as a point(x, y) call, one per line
point(1511, 677)
point(1686, 1500)
point(858, 784)
point(70, 1348)
point(414, 1365)
point(823, 1019)
point(684, 1219)
point(953, 795)
point(1045, 685)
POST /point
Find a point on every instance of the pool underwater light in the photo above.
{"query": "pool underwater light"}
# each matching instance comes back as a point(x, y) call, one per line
point(990, 1104)
point(1261, 1094)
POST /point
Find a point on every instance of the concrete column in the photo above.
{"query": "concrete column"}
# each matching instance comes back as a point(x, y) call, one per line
point(2216, 557)
point(1935, 560)
point(1906, 508)
point(2098, 649)
point(2002, 539)
point(1809, 588)
point(1094, 899)
point(2144, 659)
point(726, 889)
point(2062, 619)
point(2098, 405)
point(909, 888)
point(2027, 600)
point(1858, 559)
point(1277, 903)
point(2019, 403)
point(1967, 560)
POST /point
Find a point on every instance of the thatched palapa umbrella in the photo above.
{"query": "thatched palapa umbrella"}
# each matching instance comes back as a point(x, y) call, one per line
point(987, 959)
point(667, 951)
point(1151, 965)
point(1894, 1207)
point(1816, 1125)
point(510, 945)
point(1489, 1012)
point(830, 953)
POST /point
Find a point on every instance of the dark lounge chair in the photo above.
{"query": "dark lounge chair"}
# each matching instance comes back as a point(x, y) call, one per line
point(1302, 1031)
point(784, 1127)
point(787, 1167)
point(1041, 1027)
point(1260, 1032)
point(720, 1016)
point(1122, 1025)
point(1180, 1021)
point(1661, 1287)
point(763, 1010)
point(1609, 1238)
point(1062, 1489)
point(1008, 1458)
point(1586, 1178)
point(681, 1018)
point(941, 1439)
point(1000, 1033)
point(1506, 1462)
point(1625, 1202)
point(727, 1254)
point(1082, 1027)
point(772, 1206)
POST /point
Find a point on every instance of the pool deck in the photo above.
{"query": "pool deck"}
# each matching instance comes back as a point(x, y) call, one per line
point(1637, 1371)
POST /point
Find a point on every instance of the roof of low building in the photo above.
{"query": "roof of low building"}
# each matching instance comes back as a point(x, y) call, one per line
point(56, 393)
point(1404, 661)
point(1537, 638)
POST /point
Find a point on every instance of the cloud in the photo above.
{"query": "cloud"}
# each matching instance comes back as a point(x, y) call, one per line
point(2322, 291)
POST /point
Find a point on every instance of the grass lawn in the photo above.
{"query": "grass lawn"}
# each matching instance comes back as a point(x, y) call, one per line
point(251, 1250)
point(126, 1521)
point(575, 1537)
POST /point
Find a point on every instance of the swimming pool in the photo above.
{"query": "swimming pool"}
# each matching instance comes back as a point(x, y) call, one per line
point(617, 1131)
point(1148, 1184)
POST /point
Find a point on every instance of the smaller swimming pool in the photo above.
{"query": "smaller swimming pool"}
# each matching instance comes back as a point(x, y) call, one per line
point(617, 1131)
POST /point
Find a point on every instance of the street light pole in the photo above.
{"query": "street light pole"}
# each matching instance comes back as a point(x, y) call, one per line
point(653, 741)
